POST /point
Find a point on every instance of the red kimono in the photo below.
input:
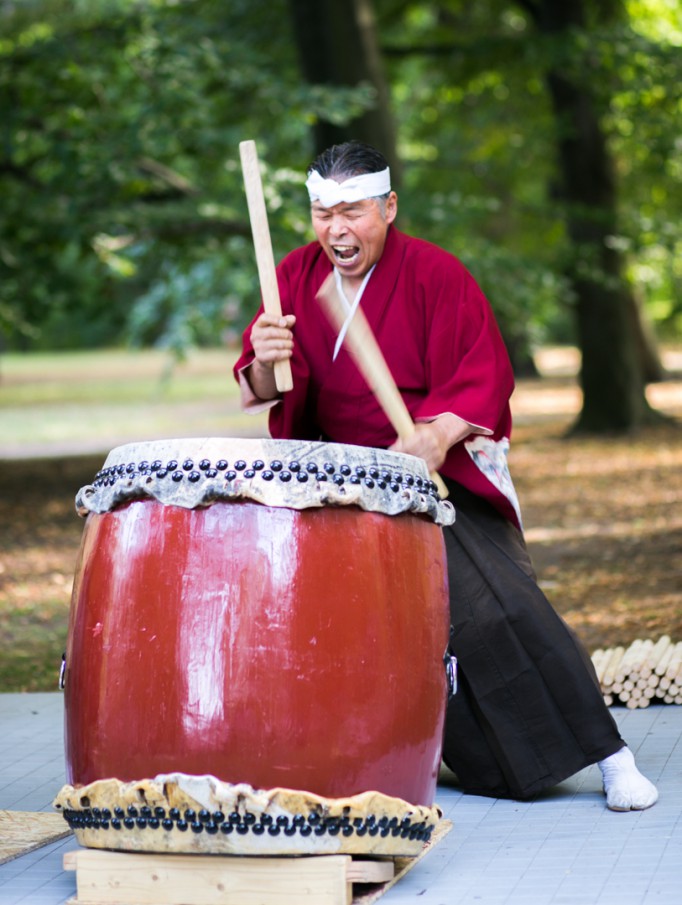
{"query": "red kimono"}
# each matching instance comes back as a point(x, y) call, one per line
point(440, 341)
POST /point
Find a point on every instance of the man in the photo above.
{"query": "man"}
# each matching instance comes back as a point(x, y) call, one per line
point(528, 712)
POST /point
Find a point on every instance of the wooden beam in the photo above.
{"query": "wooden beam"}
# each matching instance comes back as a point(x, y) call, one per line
point(122, 878)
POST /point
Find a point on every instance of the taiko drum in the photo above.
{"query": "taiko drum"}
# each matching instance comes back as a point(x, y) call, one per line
point(233, 617)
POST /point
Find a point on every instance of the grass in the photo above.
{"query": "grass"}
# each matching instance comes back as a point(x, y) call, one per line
point(96, 400)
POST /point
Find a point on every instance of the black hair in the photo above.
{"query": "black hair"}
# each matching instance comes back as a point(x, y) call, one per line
point(352, 158)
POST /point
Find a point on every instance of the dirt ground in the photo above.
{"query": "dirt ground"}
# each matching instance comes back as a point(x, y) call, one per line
point(603, 520)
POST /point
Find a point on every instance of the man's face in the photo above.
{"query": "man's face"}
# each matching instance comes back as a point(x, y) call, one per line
point(353, 235)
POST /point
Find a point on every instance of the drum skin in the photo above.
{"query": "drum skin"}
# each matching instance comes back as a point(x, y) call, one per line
point(261, 645)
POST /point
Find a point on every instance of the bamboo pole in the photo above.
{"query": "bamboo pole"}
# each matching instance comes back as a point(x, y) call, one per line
point(614, 662)
point(629, 658)
point(642, 672)
point(664, 662)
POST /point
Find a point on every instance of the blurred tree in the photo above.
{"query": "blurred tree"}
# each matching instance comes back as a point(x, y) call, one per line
point(612, 341)
point(527, 94)
point(123, 200)
point(337, 45)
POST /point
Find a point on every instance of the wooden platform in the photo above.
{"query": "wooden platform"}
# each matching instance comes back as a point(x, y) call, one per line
point(122, 878)
point(24, 831)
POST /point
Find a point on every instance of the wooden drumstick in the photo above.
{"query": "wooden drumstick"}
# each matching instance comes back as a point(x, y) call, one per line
point(262, 242)
point(369, 358)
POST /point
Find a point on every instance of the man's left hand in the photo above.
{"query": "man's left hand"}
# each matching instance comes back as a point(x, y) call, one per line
point(432, 439)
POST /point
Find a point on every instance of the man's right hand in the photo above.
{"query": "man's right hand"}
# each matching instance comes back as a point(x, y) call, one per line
point(272, 340)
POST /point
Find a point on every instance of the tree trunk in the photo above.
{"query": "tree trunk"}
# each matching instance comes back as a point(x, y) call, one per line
point(612, 375)
point(337, 45)
point(650, 360)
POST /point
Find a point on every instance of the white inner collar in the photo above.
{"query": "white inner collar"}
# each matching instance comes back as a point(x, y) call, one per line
point(350, 309)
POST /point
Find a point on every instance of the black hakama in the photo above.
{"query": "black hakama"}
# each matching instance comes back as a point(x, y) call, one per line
point(528, 711)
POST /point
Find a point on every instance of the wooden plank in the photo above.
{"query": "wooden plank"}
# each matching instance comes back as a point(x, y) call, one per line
point(370, 871)
point(370, 895)
point(265, 260)
point(24, 831)
point(121, 878)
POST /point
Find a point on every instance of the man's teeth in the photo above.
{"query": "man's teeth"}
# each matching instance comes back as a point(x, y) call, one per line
point(346, 252)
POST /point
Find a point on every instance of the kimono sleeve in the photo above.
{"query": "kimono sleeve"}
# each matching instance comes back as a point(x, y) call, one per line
point(467, 367)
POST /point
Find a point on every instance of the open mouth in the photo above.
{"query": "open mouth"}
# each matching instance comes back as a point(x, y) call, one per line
point(346, 254)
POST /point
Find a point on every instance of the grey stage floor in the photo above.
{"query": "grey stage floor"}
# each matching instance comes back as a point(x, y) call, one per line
point(562, 848)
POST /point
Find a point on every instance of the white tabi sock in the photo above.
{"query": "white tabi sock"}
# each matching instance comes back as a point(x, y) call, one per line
point(625, 787)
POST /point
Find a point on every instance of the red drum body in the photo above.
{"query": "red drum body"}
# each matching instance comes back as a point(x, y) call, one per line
point(262, 644)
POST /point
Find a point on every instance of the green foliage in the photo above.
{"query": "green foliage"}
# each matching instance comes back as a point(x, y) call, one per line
point(476, 126)
point(123, 213)
point(119, 170)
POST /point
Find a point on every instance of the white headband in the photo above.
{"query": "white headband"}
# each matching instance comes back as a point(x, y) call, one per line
point(330, 193)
